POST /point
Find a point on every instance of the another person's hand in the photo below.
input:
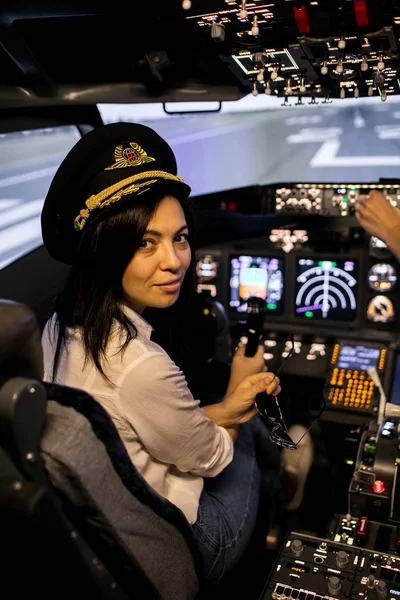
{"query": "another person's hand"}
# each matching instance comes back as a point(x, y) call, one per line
point(378, 217)
point(239, 406)
point(243, 365)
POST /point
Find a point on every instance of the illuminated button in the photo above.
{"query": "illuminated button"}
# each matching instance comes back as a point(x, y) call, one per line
point(378, 486)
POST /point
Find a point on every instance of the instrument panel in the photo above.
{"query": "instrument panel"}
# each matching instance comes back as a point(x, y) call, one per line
point(311, 568)
point(318, 265)
point(326, 198)
point(306, 50)
point(302, 286)
point(324, 280)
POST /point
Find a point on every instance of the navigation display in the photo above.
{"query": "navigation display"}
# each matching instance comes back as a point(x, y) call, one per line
point(260, 276)
point(358, 358)
point(326, 289)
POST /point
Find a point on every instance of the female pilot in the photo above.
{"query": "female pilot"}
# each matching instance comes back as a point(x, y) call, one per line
point(118, 213)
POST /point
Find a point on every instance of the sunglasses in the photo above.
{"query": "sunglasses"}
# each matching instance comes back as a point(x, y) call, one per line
point(268, 407)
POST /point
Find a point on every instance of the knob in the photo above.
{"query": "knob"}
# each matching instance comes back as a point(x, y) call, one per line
point(381, 589)
point(371, 582)
point(334, 585)
point(342, 560)
point(297, 547)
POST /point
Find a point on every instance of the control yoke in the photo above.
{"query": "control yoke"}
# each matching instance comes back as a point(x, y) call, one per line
point(254, 325)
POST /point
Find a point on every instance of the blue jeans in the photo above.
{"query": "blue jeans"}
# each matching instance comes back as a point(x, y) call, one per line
point(230, 503)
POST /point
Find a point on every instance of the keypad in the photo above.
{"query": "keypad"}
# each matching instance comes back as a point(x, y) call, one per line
point(353, 389)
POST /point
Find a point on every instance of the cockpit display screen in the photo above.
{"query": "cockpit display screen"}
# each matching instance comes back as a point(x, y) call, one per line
point(259, 276)
point(357, 357)
point(326, 289)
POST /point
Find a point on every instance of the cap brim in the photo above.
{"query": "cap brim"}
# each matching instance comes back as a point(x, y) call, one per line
point(165, 187)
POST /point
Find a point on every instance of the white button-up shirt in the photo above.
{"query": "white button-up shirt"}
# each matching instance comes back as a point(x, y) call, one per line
point(168, 437)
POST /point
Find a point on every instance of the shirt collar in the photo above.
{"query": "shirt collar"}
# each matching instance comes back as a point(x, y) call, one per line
point(144, 328)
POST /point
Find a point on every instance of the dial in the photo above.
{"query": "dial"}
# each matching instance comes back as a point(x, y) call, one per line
point(378, 248)
point(380, 309)
point(382, 277)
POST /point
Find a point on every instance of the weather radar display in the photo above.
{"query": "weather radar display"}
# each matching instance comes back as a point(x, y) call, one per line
point(326, 289)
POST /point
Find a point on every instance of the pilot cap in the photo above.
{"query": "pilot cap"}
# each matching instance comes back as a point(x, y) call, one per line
point(103, 173)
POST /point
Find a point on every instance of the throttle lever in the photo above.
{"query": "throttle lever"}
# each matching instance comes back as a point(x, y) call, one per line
point(254, 324)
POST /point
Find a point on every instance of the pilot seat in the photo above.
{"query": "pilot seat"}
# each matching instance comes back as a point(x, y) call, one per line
point(77, 519)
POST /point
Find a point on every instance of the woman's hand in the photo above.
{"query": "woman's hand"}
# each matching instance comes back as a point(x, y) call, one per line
point(239, 406)
point(377, 216)
point(243, 365)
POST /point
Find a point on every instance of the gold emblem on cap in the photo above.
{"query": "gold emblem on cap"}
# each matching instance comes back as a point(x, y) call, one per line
point(129, 156)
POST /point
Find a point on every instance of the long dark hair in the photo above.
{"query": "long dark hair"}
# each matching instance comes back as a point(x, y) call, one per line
point(92, 295)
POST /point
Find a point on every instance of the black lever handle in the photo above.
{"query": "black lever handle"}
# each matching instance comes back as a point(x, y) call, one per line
point(254, 324)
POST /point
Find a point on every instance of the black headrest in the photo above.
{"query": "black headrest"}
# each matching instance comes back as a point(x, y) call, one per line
point(20, 344)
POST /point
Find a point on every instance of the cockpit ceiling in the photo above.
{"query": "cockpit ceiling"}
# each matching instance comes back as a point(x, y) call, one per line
point(88, 52)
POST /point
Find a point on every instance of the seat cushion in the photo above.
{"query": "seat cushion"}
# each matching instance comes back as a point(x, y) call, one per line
point(125, 520)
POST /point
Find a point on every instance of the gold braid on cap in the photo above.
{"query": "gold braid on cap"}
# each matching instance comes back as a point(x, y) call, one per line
point(115, 192)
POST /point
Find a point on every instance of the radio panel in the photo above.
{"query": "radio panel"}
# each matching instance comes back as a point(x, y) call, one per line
point(311, 568)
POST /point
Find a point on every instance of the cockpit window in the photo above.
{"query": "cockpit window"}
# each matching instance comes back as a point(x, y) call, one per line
point(28, 161)
point(257, 141)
